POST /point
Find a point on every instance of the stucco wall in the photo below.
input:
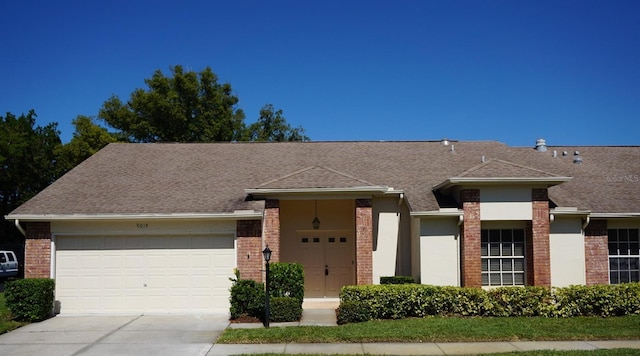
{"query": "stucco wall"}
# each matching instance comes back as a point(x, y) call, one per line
point(505, 203)
point(386, 221)
point(566, 244)
point(439, 262)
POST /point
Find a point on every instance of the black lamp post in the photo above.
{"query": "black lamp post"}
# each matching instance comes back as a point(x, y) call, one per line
point(267, 256)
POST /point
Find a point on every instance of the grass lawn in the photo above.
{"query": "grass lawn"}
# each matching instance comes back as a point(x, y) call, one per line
point(441, 329)
point(6, 324)
point(612, 352)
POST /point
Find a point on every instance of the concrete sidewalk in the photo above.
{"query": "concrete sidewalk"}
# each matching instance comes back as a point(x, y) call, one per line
point(428, 348)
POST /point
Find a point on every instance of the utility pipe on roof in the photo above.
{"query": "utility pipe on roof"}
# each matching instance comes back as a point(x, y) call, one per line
point(16, 222)
point(586, 222)
point(460, 221)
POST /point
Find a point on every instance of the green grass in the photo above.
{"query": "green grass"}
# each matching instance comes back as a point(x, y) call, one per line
point(6, 324)
point(441, 329)
point(611, 352)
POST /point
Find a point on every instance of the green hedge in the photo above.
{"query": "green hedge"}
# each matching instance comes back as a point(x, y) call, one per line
point(247, 298)
point(30, 299)
point(397, 280)
point(396, 301)
point(286, 280)
point(284, 309)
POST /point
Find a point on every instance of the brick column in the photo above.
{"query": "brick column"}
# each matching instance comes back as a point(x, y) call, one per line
point(37, 250)
point(272, 228)
point(364, 241)
point(596, 252)
point(470, 258)
point(537, 253)
point(249, 239)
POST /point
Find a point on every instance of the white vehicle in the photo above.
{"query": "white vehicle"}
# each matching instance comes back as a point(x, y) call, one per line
point(8, 264)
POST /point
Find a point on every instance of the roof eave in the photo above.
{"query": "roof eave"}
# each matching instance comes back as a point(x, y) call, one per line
point(237, 215)
point(299, 192)
point(455, 181)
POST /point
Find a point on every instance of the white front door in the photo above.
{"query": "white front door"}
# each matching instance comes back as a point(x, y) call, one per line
point(328, 260)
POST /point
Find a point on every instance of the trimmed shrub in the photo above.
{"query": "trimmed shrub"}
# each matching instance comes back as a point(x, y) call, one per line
point(247, 298)
point(353, 311)
point(30, 299)
point(286, 280)
point(516, 301)
point(284, 309)
point(397, 280)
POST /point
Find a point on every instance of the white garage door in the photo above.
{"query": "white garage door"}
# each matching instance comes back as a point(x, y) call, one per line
point(144, 274)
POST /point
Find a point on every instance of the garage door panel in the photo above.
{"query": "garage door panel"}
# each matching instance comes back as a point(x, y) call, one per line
point(144, 274)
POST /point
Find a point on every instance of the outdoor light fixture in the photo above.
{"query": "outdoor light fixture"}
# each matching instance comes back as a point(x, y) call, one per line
point(316, 222)
point(267, 256)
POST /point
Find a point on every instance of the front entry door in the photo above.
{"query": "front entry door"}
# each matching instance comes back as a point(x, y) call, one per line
point(328, 260)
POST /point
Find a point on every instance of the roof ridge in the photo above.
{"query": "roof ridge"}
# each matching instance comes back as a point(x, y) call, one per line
point(497, 160)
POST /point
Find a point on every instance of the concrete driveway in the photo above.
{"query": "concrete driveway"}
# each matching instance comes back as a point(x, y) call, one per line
point(116, 335)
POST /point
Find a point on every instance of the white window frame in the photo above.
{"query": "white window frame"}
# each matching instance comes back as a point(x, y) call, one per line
point(500, 257)
point(623, 246)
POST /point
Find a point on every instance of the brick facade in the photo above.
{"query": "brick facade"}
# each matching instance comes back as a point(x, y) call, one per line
point(537, 247)
point(364, 241)
point(272, 228)
point(249, 242)
point(37, 255)
point(596, 252)
point(470, 258)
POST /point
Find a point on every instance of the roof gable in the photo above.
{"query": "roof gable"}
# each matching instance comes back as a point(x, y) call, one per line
point(315, 177)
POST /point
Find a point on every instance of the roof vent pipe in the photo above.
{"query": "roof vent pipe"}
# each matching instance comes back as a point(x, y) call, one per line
point(453, 149)
point(445, 141)
point(576, 157)
point(541, 145)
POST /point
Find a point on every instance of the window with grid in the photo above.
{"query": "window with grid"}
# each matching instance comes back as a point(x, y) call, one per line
point(624, 257)
point(502, 253)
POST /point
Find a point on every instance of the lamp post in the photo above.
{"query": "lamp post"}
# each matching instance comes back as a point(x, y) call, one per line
point(267, 256)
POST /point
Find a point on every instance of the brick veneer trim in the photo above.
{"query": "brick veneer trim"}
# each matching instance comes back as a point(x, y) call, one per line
point(271, 228)
point(249, 254)
point(364, 242)
point(37, 254)
point(596, 252)
point(540, 255)
point(471, 259)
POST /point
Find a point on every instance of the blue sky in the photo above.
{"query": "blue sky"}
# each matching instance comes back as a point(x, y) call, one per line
point(505, 70)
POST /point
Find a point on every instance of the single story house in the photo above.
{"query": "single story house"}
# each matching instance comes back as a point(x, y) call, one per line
point(160, 228)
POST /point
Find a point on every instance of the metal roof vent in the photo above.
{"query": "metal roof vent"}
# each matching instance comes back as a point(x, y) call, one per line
point(445, 141)
point(541, 145)
point(576, 157)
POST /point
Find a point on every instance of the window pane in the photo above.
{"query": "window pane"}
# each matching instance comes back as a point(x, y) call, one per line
point(507, 235)
point(518, 235)
point(613, 264)
point(613, 248)
point(507, 279)
point(633, 235)
point(484, 235)
point(506, 264)
point(494, 265)
point(494, 249)
point(484, 249)
point(624, 277)
point(635, 276)
point(518, 279)
point(495, 279)
point(518, 249)
point(494, 236)
point(634, 263)
point(518, 264)
point(485, 265)
point(506, 249)
point(624, 248)
point(633, 248)
point(613, 278)
point(623, 235)
point(624, 264)
point(485, 279)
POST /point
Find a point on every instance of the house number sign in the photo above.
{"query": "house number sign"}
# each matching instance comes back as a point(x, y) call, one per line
point(142, 225)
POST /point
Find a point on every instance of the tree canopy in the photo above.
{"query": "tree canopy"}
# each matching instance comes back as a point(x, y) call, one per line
point(191, 107)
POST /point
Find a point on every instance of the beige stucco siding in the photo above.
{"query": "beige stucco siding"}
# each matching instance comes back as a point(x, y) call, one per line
point(439, 262)
point(505, 203)
point(386, 220)
point(566, 244)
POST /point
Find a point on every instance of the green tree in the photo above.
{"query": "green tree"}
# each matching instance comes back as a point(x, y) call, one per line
point(87, 139)
point(272, 126)
point(186, 107)
point(27, 161)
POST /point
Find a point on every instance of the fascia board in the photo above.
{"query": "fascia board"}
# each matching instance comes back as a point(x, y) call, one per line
point(614, 215)
point(549, 181)
point(319, 191)
point(67, 217)
point(437, 213)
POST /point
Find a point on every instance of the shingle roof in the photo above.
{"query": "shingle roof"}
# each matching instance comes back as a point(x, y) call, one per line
point(210, 178)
